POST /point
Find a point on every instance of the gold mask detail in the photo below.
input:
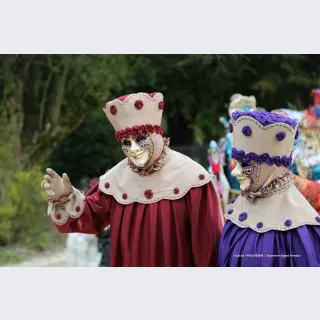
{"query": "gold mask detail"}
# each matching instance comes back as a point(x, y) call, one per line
point(138, 149)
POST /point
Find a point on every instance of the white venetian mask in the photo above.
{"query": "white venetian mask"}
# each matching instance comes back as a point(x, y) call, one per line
point(138, 149)
point(242, 173)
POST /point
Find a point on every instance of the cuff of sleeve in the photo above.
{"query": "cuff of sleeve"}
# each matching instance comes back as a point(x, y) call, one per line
point(71, 206)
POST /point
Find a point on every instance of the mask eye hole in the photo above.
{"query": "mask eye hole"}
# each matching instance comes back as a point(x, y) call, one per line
point(246, 169)
point(140, 138)
point(143, 141)
point(126, 143)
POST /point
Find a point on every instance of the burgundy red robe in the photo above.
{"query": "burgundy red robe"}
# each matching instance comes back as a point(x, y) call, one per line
point(169, 233)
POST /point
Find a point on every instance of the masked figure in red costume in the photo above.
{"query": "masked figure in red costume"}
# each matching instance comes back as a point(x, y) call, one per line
point(160, 204)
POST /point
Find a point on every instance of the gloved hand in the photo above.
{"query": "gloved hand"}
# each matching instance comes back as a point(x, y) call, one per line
point(55, 186)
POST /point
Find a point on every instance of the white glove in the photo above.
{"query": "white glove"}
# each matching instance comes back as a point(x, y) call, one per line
point(55, 186)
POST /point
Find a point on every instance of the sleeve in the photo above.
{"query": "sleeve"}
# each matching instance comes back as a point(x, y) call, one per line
point(206, 225)
point(88, 214)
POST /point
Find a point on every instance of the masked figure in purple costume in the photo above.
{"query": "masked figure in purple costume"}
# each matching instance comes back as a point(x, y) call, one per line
point(270, 224)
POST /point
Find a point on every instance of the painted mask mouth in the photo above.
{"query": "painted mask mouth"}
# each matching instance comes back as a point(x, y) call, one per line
point(138, 155)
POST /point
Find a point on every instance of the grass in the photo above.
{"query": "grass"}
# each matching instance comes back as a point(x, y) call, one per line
point(9, 257)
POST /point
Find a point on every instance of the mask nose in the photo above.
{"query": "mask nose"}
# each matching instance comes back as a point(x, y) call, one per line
point(134, 147)
point(237, 171)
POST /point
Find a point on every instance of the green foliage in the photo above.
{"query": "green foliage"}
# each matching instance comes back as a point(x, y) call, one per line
point(7, 214)
point(23, 218)
point(45, 97)
point(30, 205)
point(8, 163)
point(9, 257)
point(197, 87)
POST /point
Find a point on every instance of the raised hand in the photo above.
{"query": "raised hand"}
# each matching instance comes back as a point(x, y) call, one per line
point(55, 186)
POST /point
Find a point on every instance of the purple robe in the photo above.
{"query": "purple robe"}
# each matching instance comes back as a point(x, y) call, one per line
point(244, 247)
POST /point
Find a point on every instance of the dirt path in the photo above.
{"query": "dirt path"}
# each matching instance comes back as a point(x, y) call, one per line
point(47, 259)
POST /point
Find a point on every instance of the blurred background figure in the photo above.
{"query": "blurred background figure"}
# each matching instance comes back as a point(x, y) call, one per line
point(220, 181)
point(306, 153)
point(310, 190)
point(104, 243)
point(88, 183)
point(82, 250)
point(307, 148)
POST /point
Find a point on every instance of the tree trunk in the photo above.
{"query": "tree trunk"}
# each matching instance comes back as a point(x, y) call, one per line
point(42, 136)
point(12, 116)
